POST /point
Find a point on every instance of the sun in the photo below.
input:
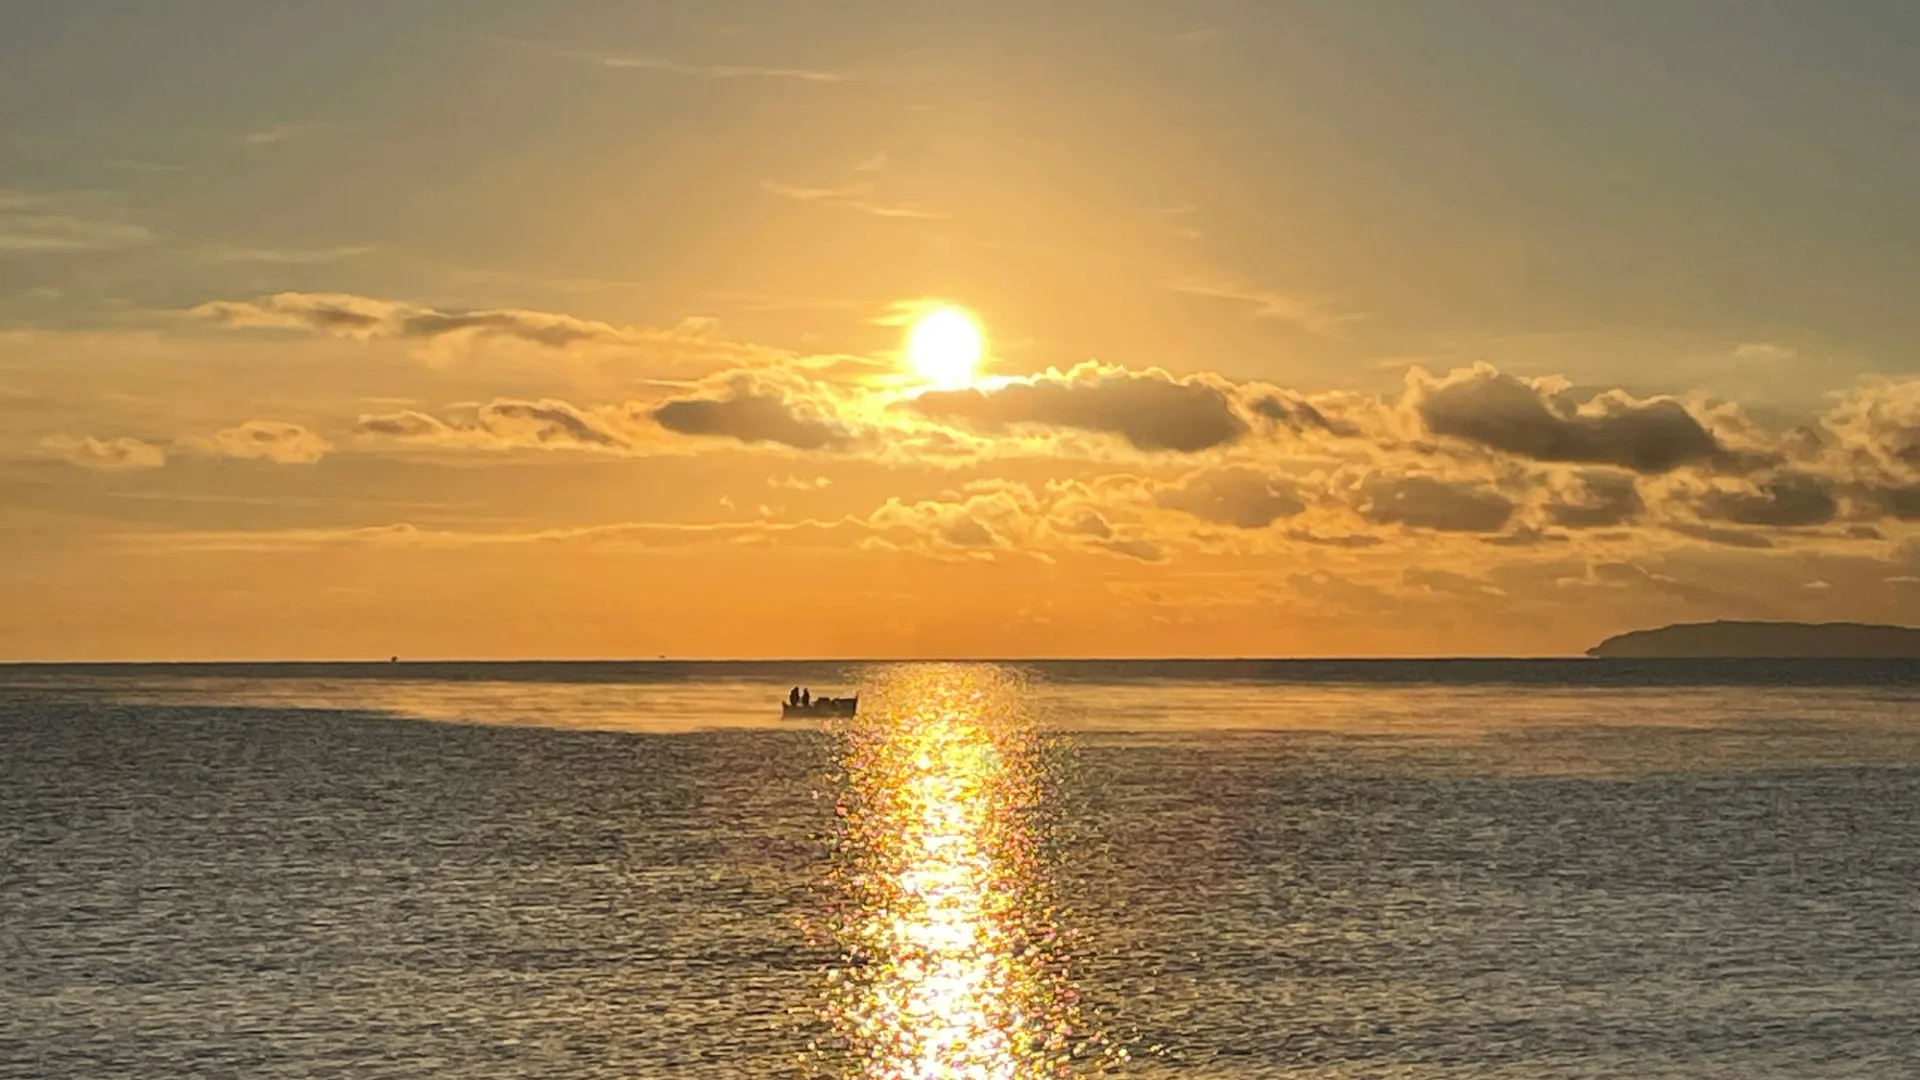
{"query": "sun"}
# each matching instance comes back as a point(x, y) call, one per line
point(944, 347)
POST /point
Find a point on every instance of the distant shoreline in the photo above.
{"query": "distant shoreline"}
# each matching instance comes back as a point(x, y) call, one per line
point(1763, 641)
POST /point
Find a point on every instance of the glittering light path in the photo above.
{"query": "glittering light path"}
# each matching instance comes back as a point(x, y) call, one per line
point(954, 967)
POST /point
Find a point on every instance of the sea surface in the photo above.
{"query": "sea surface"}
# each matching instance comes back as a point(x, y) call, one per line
point(1482, 869)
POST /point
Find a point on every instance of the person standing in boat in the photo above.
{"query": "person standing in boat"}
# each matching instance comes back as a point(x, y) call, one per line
point(806, 698)
point(793, 696)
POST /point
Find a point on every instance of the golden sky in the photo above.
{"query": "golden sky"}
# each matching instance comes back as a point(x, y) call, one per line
point(541, 329)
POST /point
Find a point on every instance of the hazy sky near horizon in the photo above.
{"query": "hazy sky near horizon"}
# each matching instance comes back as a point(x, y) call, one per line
point(490, 328)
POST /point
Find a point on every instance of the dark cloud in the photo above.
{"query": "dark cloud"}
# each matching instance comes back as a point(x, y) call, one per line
point(1296, 415)
point(367, 317)
point(505, 424)
point(1605, 500)
point(1503, 413)
point(1425, 503)
point(540, 328)
point(967, 532)
point(1788, 500)
point(1143, 550)
point(1526, 536)
point(1090, 523)
point(1243, 498)
point(1346, 540)
point(1728, 537)
point(748, 417)
point(401, 425)
point(549, 422)
point(1148, 411)
point(1896, 501)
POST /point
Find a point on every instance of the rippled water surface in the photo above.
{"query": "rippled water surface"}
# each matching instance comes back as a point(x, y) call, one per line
point(1520, 870)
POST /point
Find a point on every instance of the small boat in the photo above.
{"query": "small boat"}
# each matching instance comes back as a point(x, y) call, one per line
point(820, 706)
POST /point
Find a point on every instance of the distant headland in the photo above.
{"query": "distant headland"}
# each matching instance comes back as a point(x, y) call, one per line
point(1768, 640)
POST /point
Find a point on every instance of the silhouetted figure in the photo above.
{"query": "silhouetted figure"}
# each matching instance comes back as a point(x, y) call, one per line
point(806, 699)
point(793, 696)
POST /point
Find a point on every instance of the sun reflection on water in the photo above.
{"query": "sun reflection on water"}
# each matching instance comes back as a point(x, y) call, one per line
point(954, 966)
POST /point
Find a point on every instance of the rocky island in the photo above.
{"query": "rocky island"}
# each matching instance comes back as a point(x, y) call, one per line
point(1768, 640)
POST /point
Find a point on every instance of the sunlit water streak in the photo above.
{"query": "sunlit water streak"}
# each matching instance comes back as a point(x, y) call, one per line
point(955, 962)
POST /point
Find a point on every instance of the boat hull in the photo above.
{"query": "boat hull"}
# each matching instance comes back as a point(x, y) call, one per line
point(822, 708)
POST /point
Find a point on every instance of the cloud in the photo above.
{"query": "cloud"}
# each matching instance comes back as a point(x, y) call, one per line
point(1241, 497)
point(1142, 550)
point(1877, 429)
point(135, 165)
point(1525, 536)
point(1090, 522)
point(1296, 414)
point(1601, 500)
point(105, 454)
point(799, 483)
point(1901, 502)
point(1725, 537)
point(1423, 502)
point(1632, 575)
point(406, 424)
point(62, 224)
point(748, 416)
point(21, 401)
point(1152, 412)
point(647, 62)
point(345, 315)
point(1447, 583)
point(1309, 313)
point(967, 532)
point(547, 423)
point(363, 318)
point(509, 424)
point(991, 517)
point(264, 440)
point(649, 535)
point(976, 524)
point(852, 197)
point(272, 136)
point(1480, 405)
point(221, 253)
point(1343, 540)
point(1786, 501)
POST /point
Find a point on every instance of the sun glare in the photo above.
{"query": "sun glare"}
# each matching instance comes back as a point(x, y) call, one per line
point(944, 347)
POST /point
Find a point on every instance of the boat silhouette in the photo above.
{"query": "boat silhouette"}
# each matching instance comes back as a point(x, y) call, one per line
point(819, 707)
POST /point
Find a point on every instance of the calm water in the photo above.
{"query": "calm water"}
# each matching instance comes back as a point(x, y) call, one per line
point(1532, 870)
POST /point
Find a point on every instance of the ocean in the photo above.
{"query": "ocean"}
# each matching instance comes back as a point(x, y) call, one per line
point(1485, 869)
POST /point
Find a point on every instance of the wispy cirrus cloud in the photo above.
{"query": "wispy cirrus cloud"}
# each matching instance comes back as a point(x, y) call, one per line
point(269, 136)
point(641, 61)
point(852, 197)
point(624, 534)
point(225, 253)
point(366, 318)
point(60, 223)
point(1311, 313)
point(135, 165)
